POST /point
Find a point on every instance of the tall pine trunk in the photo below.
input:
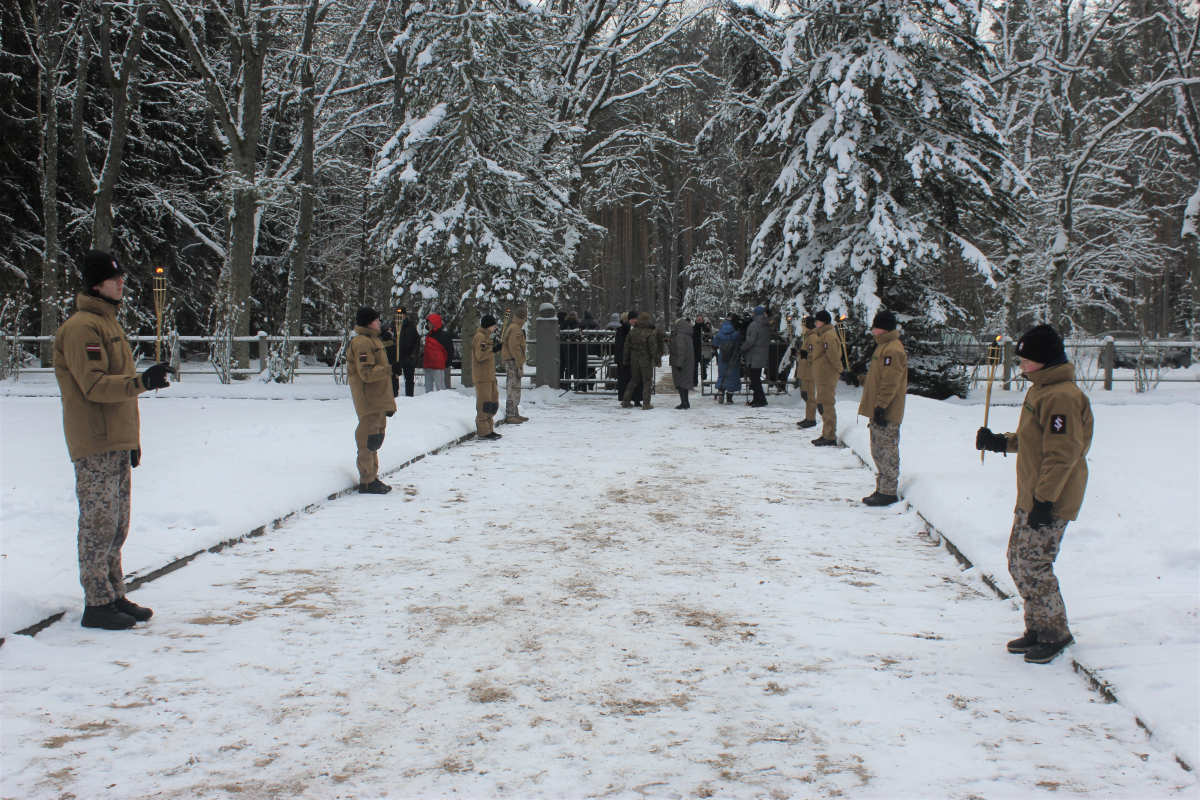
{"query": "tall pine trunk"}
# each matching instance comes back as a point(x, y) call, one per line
point(50, 45)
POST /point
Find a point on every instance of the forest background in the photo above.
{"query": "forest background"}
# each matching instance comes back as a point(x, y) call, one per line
point(975, 168)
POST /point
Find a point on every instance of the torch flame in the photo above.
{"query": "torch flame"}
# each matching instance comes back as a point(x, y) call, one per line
point(998, 338)
point(159, 270)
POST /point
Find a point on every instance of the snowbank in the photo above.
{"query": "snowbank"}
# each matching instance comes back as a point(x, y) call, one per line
point(1130, 565)
point(212, 470)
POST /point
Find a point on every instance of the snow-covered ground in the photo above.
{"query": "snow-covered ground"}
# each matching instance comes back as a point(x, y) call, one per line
point(212, 469)
point(1129, 566)
point(605, 602)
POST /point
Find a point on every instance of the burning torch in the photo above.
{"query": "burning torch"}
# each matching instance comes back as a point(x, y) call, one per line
point(160, 300)
point(993, 362)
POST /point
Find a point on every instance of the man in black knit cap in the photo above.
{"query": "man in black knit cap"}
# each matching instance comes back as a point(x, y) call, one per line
point(369, 374)
point(95, 371)
point(883, 402)
point(1051, 442)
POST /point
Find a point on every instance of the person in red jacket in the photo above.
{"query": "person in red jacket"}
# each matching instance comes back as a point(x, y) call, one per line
point(439, 348)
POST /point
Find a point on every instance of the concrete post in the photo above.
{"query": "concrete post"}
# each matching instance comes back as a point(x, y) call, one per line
point(547, 347)
point(264, 351)
point(1110, 357)
point(1008, 354)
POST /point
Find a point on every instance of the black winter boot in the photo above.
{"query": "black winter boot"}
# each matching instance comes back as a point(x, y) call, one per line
point(374, 487)
point(806, 423)
point(491, 436)
point(1027, 642)
point(106, 617)
point(823, 442)
point(879, 499)
point(1045, 652)
point(127, 606)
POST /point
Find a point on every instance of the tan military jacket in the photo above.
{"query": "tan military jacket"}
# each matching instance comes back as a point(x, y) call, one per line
point(887, 379)
point(483, 360)
point(1052, 442)
point(512, 344)
point(828, 351)
point(95, 371)
point(369, 373)
point(807, 343)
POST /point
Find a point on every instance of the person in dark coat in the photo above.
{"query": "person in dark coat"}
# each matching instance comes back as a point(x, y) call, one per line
point(727, 342)
point(757, 348)
point(624, 371)
point(588, 352)
point(683, 361)
point(405, 352)
point(698, 330)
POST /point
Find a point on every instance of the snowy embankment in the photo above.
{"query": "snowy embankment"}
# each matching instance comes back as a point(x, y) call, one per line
point(213, 468)
point(1129, 567)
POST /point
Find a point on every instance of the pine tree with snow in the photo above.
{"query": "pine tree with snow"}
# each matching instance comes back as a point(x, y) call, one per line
point(890, 157)
point(475, 212)
point(713, 285)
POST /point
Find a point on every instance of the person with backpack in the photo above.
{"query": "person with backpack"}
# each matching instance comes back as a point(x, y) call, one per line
point(727, 342)
point(439, 348)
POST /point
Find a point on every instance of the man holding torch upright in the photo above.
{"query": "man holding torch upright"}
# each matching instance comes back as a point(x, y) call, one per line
point(883, 402)
point(1052, 442)
point(369, 374)
point(826, 367)
point(94, 368)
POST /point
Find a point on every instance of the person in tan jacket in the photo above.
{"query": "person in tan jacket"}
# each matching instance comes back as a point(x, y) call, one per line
point(826, 367)
point(512, 355)
point(883, 402)
point(1051, 442)
point(804, 369)
point(95, 371)
point(483, 372)
point(370, 376)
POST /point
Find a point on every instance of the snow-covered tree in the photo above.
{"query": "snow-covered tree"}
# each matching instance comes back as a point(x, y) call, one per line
point(891, 155)
point(713, 284)
point(477, 209)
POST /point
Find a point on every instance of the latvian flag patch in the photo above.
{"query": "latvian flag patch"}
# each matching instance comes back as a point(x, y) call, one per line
point(93, 351)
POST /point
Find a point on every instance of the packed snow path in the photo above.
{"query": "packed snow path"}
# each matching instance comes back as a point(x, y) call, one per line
point(605, 603)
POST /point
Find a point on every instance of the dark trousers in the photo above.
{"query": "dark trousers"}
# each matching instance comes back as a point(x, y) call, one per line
point(410, 371)
point(756, 386)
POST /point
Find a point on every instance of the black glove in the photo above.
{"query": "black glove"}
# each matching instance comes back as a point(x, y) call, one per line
point(880, 417)
point(986, 440)
point(390, 414)
point(1040, 516)
point(804, 354)
point(156, 377)
point(135, 458)
point(850, 378)
point(496, 347)
point(804, 396)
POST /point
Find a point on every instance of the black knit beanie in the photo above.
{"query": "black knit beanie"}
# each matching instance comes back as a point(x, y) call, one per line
point(98, 266)
point(810, 322)
point(823, 316)
point(1043, 345)
point(884, 319)
point(487, 321)
point(365, 317)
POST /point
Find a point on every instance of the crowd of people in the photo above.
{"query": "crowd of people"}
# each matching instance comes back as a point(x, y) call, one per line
point(95, 370)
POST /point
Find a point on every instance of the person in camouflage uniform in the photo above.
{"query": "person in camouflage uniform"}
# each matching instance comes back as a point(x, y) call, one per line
point(1051, 442)
point(883, 402)
point(94, 368)
point(512, 355)
point(643, 348)
point(369, 373)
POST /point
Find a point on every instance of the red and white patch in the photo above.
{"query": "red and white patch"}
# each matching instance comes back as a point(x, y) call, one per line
point(362, 356)
point(93, 351)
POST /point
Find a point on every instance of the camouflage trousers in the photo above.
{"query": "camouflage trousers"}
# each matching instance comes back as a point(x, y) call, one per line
point(641, 376)
point(102, 486)
point(512, 388)
point(885, 449)
point(1031, 555)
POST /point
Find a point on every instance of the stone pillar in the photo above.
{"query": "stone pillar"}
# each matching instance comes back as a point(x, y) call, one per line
point(547, 347)
point(1110, 357)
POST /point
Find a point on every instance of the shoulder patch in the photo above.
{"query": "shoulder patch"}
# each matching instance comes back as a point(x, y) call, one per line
point(1058, 423)
point(887, 361)
point(362, 356)
point(93, 351)
point(825, 345)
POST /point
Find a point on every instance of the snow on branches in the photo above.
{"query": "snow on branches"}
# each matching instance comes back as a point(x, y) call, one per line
point(890, 154)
